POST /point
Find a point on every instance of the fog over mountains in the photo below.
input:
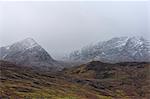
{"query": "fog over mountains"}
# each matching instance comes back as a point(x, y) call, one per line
point(119, 49)
point(64, 27)
point(75, 50)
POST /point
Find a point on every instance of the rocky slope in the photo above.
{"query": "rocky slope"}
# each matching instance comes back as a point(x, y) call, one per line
point(121, 49)
point(128, 80)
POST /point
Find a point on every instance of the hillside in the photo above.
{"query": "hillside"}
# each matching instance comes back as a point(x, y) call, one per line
point(94, 80)
point(128, 79)
point(25, 82)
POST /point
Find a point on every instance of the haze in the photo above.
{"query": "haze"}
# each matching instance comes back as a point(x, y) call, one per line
point(61, 27)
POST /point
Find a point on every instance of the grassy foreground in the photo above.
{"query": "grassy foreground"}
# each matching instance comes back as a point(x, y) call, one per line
point(82, 82)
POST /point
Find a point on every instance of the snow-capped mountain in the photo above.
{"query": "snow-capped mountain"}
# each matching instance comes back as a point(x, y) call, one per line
point(28, 53)
point(120, 49)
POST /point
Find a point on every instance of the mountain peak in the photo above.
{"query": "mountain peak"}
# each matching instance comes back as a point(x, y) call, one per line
point(29, 42)
point(28, 53)
point(29, 39)
point(24, 44)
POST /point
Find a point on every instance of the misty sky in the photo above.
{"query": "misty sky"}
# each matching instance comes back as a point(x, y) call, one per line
point(61, 27)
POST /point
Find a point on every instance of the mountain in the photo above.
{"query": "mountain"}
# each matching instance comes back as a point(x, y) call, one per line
point(28, 53)
point(119, 49)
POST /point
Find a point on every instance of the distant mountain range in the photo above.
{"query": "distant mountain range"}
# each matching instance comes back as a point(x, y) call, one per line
point(119, 49)
point(122, 49)
point(28, 53)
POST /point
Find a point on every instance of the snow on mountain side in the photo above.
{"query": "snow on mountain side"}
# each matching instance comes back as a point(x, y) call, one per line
point(28, 52)
point(115, 50)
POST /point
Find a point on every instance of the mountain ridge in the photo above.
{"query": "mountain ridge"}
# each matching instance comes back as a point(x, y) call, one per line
point(118, 49)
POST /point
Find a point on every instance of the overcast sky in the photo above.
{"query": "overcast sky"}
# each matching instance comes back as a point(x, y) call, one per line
point(61, 27)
